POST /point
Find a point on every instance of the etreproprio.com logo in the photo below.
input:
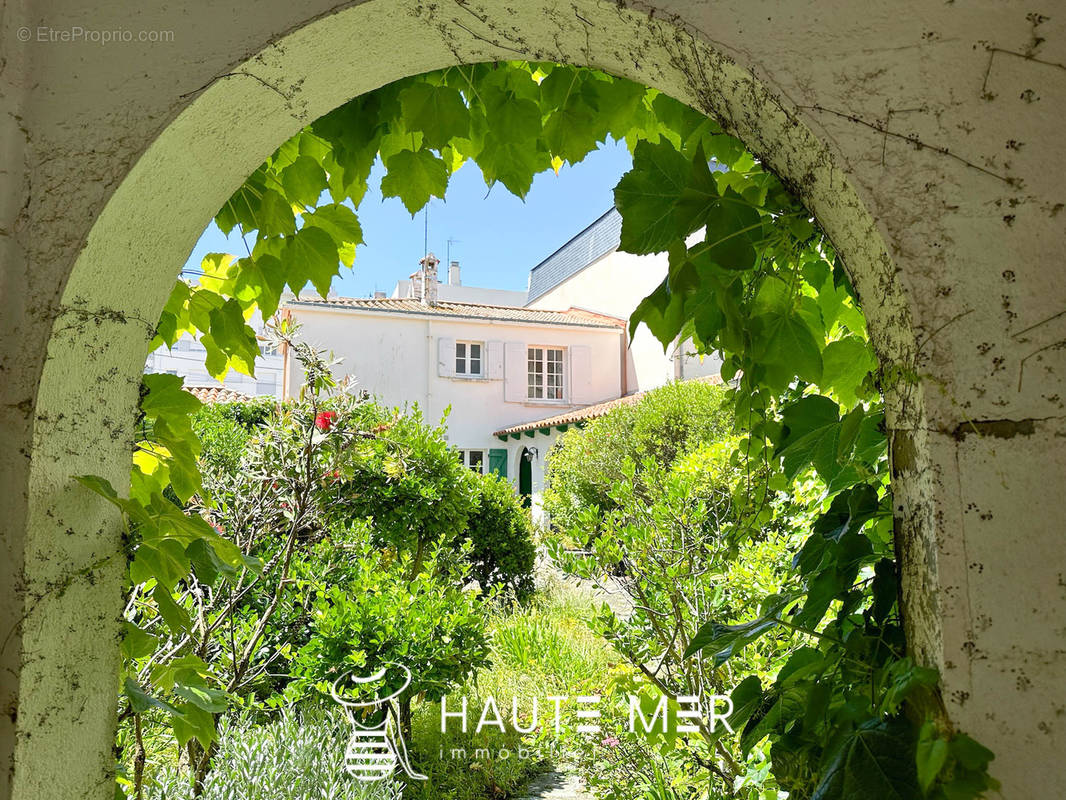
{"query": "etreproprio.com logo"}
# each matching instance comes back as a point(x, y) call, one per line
point(376, 746)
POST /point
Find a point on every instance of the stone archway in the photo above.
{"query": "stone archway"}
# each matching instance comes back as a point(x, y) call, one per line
point(900, 131)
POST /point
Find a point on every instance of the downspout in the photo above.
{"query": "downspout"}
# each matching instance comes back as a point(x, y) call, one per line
point(623, 378)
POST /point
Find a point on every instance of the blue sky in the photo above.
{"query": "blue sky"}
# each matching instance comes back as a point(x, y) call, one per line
point(496, 237)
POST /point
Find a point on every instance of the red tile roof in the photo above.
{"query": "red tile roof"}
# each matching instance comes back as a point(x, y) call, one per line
point(480, 311)
point(217, 394)
point(582, 415)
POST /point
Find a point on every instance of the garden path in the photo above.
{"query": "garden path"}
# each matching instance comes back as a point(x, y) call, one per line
point(559, 783)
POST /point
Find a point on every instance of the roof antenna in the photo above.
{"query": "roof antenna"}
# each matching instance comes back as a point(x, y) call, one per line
point(425, 249)
point(450, 240)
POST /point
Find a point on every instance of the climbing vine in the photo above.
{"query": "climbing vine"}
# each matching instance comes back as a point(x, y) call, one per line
point(750, 277)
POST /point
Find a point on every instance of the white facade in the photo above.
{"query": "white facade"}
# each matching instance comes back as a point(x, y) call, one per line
point(477, 352)
point(505, 367)
point(187, 357)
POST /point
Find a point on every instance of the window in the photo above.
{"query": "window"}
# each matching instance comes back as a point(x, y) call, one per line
point(267, 384)
point(545, 373)
point(473, 459)
point(468, 358)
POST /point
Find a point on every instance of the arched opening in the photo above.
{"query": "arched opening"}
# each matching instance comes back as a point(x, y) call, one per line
point(156, 190)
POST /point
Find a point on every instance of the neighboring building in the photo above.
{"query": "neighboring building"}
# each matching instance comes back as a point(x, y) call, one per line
point(186, 358)
point(591, 273)
point(513, 369)
point(454, 291)
point(209, 395)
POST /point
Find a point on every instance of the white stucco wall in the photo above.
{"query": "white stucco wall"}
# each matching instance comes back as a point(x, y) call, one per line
point(614, 284)
point(395, 357)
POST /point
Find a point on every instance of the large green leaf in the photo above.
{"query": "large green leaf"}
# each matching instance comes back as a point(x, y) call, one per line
point(437, 111)
point(811, 436)
point(414, 177)
point(731, 222)
point(310, 255)
point(846, 363)
point(304, 180)
point(876, 762)
point(786, 348)
point(725, 641)
point(648, 197)
point(511, 163)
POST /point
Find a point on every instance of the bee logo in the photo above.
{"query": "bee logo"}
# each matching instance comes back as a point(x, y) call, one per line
point(376, 745)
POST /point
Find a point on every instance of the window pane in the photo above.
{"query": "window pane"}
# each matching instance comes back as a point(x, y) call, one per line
point(477, 460)
point(554, 370)
point(475, 350)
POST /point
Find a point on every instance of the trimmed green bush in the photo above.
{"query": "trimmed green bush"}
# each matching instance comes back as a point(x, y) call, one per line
point(666, 423)
point(501, 536)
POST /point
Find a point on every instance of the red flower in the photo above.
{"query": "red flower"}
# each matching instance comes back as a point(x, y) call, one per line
point(325, 419)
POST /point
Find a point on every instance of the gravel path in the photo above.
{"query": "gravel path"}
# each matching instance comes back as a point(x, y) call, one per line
point(558, 784)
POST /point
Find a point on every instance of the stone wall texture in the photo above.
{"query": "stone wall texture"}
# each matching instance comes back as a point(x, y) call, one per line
point(927, 139)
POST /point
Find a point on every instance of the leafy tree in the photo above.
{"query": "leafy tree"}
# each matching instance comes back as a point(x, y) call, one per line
point(408, 481)
point(669, 543)
point(587, 462)
point(372, 613)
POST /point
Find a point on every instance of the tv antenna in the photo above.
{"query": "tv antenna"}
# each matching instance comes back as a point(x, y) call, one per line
point(450, 240)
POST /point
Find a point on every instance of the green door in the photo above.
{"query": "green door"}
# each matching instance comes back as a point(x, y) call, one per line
point(525, 477)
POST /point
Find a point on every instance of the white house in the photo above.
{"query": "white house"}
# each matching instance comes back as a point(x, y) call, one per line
point(488, 366)
point(187, 357)
point(515, 372)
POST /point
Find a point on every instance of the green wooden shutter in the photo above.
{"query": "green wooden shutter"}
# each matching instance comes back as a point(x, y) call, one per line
point(498, 462)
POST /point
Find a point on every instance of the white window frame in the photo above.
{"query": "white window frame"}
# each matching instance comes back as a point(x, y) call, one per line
point(467, 359)
point(552, 387)
point(476, 459)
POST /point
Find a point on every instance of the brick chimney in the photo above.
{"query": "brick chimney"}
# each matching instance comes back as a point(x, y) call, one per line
point(428, 273)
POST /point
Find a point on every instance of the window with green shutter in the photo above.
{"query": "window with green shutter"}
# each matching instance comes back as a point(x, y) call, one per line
point(498, 462)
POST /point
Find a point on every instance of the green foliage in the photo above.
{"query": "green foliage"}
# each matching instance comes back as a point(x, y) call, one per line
point(502, 551)
point(674, 545)
point(225, 430)
point(295, 757)
point(407, 479)
point(372, 612)
point(763, 287)
point(666, 422)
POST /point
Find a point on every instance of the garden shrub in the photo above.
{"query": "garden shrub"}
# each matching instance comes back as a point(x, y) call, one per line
point(225, 429)
point(665, 423)
point(502, 550)
point(408, 481)
point(297, 756)
point(376, 614)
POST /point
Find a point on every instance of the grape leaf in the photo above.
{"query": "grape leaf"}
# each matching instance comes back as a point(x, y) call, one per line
point(414, 177)
point(437, 111)
point(648, 197)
